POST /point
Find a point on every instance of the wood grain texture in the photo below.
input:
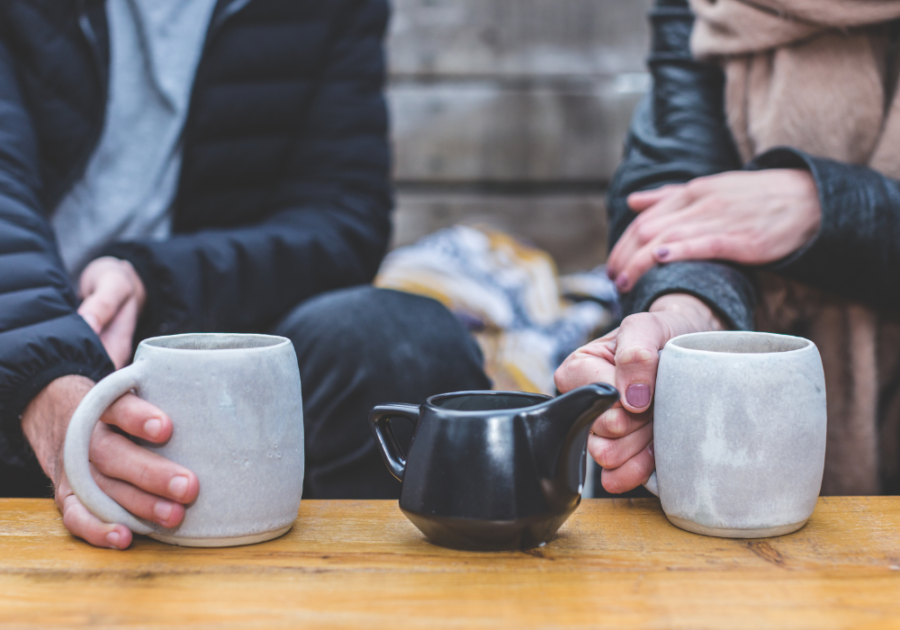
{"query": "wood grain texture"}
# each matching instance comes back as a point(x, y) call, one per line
point(570, 227)
point(360, 564)
point(516, 38)
point(513, 93)
point(479, 131)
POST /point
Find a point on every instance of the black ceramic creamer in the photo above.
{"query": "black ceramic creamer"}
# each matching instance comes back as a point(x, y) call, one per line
point(492, 470)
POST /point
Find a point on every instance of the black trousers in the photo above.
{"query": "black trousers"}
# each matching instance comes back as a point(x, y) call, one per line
point(360, 347)
point(356, 348)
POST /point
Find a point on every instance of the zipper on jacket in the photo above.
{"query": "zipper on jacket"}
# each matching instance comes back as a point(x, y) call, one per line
point(231, 7)
point(102, 74)
point(87, 30)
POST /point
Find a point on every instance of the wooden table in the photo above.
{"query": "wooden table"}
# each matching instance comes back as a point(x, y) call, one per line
point(361, 565)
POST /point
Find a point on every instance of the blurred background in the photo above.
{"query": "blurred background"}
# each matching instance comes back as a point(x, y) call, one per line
point(512, 113)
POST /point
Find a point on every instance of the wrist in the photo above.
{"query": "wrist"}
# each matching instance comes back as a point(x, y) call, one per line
point(46, 420)
point(699, 316)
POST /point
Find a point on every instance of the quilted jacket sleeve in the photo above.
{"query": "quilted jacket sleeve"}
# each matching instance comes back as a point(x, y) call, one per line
point(41, 335)
point(678, 133)
point(332, 223)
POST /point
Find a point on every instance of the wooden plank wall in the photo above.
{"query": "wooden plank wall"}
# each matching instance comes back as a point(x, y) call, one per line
point(513, 113)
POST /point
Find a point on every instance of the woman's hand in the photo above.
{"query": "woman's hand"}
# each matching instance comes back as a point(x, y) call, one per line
point(113, 299)
point(749, 217)
point(622, 438)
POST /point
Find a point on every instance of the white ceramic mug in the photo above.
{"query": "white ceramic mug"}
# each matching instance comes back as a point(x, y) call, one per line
point(237, 412)
point(739, 433)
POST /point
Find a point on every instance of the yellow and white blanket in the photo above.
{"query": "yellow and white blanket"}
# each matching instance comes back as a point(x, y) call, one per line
point(525, 317)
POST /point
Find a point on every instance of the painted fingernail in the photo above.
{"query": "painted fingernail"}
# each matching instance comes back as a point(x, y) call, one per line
point(153, 427)
point(662, 253)
point(178, 487)
point(638, 395)
point(114, 539)
point(622, 282)
point(163, 510)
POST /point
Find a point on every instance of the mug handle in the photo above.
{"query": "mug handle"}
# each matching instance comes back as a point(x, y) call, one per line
point(380, 422)
point(76, 453)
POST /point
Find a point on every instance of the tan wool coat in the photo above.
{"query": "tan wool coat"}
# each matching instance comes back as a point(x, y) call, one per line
point(815, 75)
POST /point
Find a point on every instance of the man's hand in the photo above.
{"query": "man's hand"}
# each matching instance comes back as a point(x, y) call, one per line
point(142, 482)
point(622, 438)
point(752, 218)
point(113, 299)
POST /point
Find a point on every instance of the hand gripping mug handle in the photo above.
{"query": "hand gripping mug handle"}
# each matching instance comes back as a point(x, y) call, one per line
point(380, 422)
point(76, 452)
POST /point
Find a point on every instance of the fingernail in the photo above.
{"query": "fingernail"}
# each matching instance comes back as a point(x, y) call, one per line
point(153, 427)
point(662, 253)
point(622, 282)
point(650, 450)
point(114, 539)
point(178, 487)
point(163, 509)
point(638, 395)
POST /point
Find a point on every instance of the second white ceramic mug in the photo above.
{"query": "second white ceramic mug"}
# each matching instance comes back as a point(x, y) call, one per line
point(236, 407)
point(739, 433)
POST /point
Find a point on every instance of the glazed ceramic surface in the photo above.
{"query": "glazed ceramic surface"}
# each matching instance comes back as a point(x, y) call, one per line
point(492, 470)
point(236, 407)
point(739, 433)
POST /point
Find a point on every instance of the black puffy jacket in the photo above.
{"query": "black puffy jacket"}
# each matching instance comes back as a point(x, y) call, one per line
point(284, 191)
point(679, 132)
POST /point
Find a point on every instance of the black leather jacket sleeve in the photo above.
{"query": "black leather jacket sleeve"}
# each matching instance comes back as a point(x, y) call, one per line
point(856, 253)
point(41, 335)
point(330, 223)
point(679, 132)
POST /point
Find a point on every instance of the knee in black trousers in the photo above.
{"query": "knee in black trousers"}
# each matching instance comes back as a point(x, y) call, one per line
point(360, 347)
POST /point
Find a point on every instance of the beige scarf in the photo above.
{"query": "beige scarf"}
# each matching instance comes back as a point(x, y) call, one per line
point(815, 75)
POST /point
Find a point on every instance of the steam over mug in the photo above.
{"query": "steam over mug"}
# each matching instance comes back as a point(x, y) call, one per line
point(237, 412)
point(739, 426)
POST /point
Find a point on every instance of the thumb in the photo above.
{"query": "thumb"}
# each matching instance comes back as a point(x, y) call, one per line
point(100, 307)
point(637, 357)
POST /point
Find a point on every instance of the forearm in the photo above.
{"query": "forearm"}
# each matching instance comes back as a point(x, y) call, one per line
point(46, 419)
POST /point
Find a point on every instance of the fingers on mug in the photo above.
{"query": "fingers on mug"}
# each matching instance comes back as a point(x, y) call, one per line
point(76, 453)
